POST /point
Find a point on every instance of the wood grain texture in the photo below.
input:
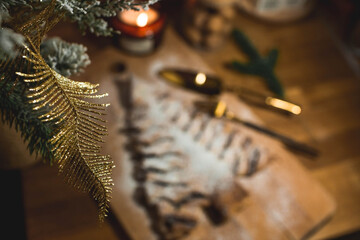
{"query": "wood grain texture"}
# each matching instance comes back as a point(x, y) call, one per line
point(314, 74)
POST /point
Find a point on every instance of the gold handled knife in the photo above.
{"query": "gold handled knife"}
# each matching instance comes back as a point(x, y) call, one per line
point(212, 85)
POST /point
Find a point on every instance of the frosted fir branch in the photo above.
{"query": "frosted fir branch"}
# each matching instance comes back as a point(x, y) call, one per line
point(65, 58)
point(90, 15)
point(4, 15)
point(9, 40)
point(6, 4)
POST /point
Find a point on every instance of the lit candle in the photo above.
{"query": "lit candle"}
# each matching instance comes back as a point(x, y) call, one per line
point(138, 18)
point(140, 30)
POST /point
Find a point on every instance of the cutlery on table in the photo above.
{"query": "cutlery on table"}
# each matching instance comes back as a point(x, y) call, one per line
point(219, 109)
point(212, 85)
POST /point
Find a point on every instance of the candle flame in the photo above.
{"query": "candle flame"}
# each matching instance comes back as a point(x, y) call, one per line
point(142, 20)
point(200, 79)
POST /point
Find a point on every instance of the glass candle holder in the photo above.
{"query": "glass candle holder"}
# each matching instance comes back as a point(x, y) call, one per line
point(141, 31)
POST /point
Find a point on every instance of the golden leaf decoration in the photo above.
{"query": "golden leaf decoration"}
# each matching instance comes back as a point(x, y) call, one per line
point(81, 129)
point(80, 126)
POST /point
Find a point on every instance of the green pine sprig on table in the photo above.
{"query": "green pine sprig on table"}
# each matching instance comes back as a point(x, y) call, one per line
point(257, 65)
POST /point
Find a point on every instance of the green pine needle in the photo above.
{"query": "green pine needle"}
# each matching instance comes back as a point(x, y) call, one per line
point(18, 113)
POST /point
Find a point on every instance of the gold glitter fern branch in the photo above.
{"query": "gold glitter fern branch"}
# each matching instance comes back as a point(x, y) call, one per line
point(80, 126)
point(79, 123)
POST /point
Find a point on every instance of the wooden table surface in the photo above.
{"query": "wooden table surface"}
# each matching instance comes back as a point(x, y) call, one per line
point(314, 73)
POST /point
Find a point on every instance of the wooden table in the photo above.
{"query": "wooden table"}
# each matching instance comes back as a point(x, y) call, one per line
point(314, 73)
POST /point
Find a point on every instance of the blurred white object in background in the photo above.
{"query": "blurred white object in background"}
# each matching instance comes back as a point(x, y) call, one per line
point(277, 10)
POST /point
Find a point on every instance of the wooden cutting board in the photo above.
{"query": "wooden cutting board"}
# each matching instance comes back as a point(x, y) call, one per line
point(283, 201)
